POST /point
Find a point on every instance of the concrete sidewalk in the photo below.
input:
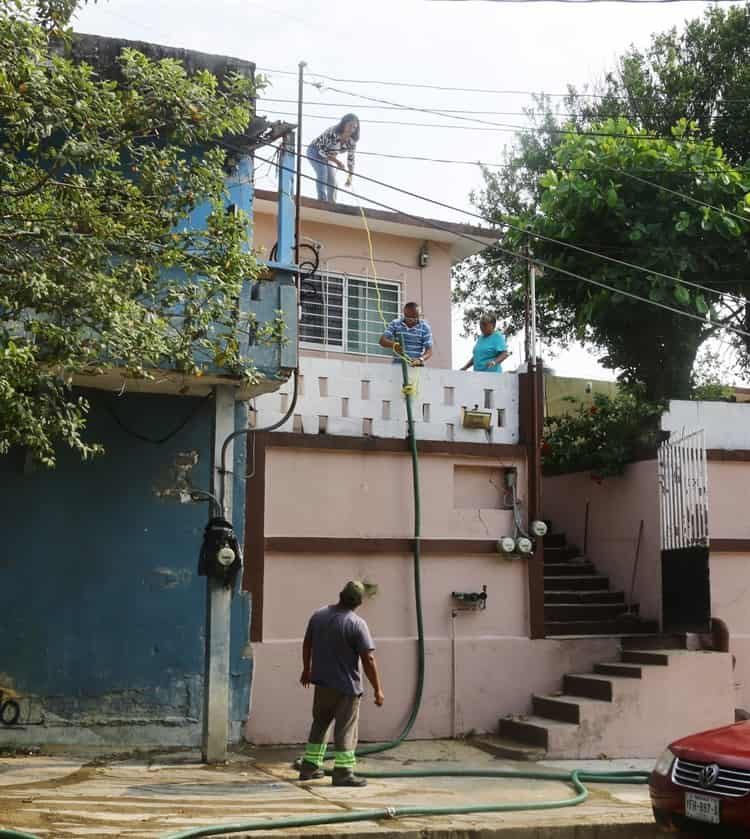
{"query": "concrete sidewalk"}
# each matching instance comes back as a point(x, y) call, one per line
point(148, 796)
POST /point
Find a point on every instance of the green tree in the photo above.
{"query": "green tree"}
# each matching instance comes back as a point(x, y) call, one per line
point(701, 73)
point(97, 264)
point(593, 198)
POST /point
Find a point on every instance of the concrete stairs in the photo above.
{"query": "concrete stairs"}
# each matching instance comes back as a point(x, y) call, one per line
point(578, 600)
point(657, 691)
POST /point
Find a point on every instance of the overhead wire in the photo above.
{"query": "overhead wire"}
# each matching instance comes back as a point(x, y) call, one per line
point(551, 240)
point(497, 128)
point(519, 166)
point(534, 260)
point(678, 194)
point(571, 94)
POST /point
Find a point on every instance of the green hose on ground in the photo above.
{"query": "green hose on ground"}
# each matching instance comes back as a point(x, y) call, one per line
point(576, 777)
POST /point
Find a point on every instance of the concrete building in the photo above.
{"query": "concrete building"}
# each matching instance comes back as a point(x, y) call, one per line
point(104, 619)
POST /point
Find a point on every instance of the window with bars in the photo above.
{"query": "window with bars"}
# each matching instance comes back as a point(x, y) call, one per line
point(340, 312)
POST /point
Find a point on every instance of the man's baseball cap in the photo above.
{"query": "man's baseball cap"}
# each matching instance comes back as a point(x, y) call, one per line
point(353, 593)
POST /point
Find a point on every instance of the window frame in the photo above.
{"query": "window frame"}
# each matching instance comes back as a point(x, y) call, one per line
point(345, 277)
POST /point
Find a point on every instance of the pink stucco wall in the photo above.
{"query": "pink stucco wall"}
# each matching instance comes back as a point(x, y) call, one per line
point(345, 250)
point(616, 508)
point(729, 491)
point(323, 493)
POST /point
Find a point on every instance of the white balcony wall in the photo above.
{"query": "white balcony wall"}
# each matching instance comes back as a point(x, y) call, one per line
point(353, 399)
point(726, 424)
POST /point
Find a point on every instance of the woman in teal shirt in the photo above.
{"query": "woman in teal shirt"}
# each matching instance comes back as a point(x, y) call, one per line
point(490, 349)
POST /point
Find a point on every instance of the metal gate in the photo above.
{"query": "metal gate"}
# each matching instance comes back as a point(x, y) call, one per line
point(683, 480)
point(683, 506)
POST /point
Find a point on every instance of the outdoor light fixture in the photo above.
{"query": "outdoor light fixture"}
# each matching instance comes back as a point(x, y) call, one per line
point(424, 256)
point(538, 528)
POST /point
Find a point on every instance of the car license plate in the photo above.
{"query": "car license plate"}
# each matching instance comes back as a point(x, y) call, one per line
point(702, 808)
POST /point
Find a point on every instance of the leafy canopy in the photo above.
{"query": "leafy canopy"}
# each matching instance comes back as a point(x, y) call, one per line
point(696, 81)
point(622, 194)
point(97, 263)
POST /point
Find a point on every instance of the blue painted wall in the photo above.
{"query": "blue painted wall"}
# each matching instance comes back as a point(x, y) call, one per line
point(102, 609)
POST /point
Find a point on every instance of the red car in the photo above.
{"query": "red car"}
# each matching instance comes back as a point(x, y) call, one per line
point(701, 784)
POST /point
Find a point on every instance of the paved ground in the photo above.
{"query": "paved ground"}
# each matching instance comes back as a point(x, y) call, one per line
point(148, 796)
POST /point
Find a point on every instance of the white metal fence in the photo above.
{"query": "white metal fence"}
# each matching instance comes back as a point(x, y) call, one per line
point(683, 480)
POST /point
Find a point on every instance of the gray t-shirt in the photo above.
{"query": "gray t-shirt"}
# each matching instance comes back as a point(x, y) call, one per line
point(338, 638)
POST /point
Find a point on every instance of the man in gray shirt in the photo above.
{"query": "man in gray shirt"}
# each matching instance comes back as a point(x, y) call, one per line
point(335, 642)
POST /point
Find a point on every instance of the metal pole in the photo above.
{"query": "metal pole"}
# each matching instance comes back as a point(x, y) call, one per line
point(534, 502)
point(298, 195)
point(532, 306)
point(217, 680)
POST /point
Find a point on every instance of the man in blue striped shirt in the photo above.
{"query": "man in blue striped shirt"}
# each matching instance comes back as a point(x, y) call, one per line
point(410, 336)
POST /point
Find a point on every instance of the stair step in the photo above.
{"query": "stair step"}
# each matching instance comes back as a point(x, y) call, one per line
point(588, 686)
point(655, 642)
point(556, 708)
point(559, 569)
point(645, 657)
point(552, 597)
point(506, 747)
point(525, 731)
point(618, 626)
point(618, 668)
point(578, 582)
point(582, 611)
point(531, 729)
point(558, 553)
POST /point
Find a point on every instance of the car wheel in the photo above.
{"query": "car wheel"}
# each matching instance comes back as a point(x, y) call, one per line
point(10, 711)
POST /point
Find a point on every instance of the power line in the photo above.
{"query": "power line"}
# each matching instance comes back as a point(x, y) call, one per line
point(584, 2)
point(686, 173)
point(497, 127)
point(518, 166)
point(484, 90)
point(474, 120)
point(679, 194)
point(542, 238)
point(527, 258)
point(346, 105)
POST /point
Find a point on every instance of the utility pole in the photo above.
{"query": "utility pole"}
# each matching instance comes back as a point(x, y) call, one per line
point(216, 686)
point(533, 442)
point(298, 195)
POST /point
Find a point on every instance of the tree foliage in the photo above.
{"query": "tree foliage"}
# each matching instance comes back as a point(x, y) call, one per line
point(701, 73)
point(601, 438)
point(690, 89)
point(98, 265)
point(594, 198)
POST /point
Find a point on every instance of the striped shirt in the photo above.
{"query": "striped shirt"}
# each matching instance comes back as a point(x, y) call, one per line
point(414, 340)
point(330, 142)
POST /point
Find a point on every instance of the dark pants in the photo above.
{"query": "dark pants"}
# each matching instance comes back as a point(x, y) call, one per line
point(331, 706)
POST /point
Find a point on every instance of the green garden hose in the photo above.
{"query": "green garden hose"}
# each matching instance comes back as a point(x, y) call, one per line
point(576, 777)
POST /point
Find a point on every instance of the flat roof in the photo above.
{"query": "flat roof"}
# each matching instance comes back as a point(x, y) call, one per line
point(103, 53)
point(384, 221)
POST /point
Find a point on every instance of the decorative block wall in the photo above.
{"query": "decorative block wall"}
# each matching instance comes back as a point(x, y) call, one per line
point(353, 399)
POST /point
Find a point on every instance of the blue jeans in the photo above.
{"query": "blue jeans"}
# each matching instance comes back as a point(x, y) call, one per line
point(324, 173)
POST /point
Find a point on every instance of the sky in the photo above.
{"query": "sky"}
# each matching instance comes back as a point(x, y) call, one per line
point(514, 47)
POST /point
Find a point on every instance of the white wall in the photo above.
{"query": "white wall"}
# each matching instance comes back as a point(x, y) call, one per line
point(726, 424)
point(349, 398)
